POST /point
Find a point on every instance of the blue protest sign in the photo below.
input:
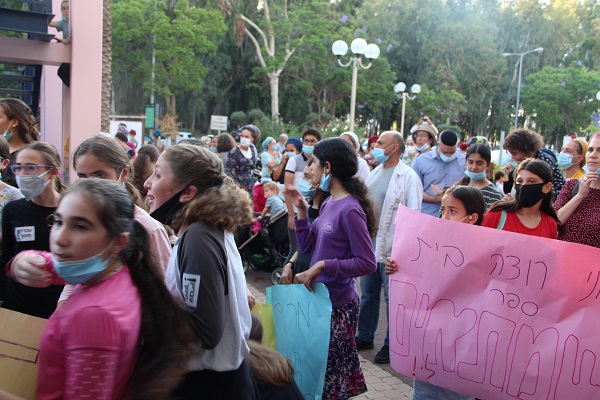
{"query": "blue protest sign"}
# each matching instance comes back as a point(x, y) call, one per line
point(302, 321)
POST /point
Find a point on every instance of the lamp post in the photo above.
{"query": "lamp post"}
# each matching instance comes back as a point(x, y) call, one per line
point(359, 48)
point(400, 90)
point(538, 50)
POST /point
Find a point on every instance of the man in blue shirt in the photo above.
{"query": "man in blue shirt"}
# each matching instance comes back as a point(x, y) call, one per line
point(439, 169)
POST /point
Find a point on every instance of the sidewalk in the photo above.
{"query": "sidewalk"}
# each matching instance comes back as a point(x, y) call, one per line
point(381, 383)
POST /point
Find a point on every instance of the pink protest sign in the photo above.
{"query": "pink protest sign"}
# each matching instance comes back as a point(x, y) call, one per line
point(494, 314)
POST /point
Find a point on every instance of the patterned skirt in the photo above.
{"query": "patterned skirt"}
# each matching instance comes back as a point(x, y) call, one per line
point(343, 377)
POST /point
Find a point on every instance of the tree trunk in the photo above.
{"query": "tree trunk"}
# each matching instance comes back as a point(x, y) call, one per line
point(106, 68)
point(171, 109)
point(274, 83)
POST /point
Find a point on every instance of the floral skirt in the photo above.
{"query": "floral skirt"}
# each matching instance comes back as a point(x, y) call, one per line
point(343, 377)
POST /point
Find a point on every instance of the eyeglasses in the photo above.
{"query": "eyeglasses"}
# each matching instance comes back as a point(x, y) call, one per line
point(423, 135)
point(28, 168)
point(309, 142)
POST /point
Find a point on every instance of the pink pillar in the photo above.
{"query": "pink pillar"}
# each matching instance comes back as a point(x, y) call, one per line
point(51, 96)
point(86, 74)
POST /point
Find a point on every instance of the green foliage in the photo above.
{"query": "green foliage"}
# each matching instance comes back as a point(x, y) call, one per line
point(255, 115)
point(179, 35)
point(440, 106)
point(238, 118)
point(561, 98)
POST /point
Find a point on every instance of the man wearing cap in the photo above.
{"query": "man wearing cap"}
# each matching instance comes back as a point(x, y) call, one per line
point(390, 185)
point(439, 169)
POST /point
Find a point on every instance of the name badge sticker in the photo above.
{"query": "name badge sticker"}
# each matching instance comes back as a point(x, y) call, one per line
point(25, 233)
point(190, 284)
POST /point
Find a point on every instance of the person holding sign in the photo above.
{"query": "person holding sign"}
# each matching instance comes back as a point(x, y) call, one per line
point(461, 204)
point(530, 212)
point(341, 238)
point(578, 203)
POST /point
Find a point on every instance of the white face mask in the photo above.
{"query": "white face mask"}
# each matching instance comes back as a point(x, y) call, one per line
point(32, 185)
point(245, 142)
point(411, 150)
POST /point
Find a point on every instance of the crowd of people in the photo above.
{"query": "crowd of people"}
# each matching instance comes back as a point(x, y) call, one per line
point(136, 264)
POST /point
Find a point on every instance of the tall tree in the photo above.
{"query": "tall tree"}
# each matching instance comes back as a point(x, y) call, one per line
point(177, 33)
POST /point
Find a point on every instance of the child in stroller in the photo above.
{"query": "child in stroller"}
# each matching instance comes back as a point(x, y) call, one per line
point(267, 249)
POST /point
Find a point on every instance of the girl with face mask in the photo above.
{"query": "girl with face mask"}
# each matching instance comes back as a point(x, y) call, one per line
point(460, 204)
point(19, 128)
point(341, 238)
point(121, 331)
point(24, 225)
point(205, 275)
point(578, 203)
point(479, 157)
point(530, 211)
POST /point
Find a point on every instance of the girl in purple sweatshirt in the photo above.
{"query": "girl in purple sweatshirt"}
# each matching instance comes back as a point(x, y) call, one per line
point(343, 250)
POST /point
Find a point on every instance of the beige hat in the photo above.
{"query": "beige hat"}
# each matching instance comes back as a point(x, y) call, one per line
point(425, 127)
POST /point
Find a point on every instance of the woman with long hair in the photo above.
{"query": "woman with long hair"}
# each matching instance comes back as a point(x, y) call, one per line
point(479, 157)
point(24, 225)
point(578, 203)
point(18, 126)
point(341, 238)
point(225, 142)
point(190, 191)
point(530, 211)
point(121, 334)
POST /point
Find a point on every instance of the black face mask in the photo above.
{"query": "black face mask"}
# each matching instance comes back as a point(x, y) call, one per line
point(529, 195)
point(166, 212)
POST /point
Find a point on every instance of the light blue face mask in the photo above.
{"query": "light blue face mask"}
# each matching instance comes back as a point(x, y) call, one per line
point(7, 135)
point(565, 160)
point(325, 182)
point(514, 164)
point(291, 154)
point(379, 155)
point(213, 148)
point(306, 188)
point(81, 271)
point(274, 148)
point(475, 176)
point(423, 148)
point(308, 150)
point(446, 158)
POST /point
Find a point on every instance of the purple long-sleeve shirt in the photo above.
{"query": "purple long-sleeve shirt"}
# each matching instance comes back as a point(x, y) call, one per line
point(340, 238)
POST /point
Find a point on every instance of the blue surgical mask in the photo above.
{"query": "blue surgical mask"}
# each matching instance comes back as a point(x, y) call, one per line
point(306, 188)
point(325, 182)
point(213, 148)
point(475, 176)
point(274, 148)
point(379, 155)
point(423, 148)
point(291, 154)
point(514, 164)
point(81, 271)
point(446, 158)
point(7, 135)
point(308, 150)
point(565, 160)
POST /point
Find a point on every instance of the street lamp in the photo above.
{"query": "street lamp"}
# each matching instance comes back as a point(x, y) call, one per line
point(538, 50)
point(359, 48)
point(400, 90)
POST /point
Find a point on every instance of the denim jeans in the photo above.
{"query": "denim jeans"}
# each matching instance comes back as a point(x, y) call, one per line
point(426, 391)
point(368, 316)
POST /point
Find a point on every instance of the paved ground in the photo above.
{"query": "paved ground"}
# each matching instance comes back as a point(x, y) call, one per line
point(382, 381)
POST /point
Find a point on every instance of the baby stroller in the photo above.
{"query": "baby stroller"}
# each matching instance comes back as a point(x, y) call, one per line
point(267, 249)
